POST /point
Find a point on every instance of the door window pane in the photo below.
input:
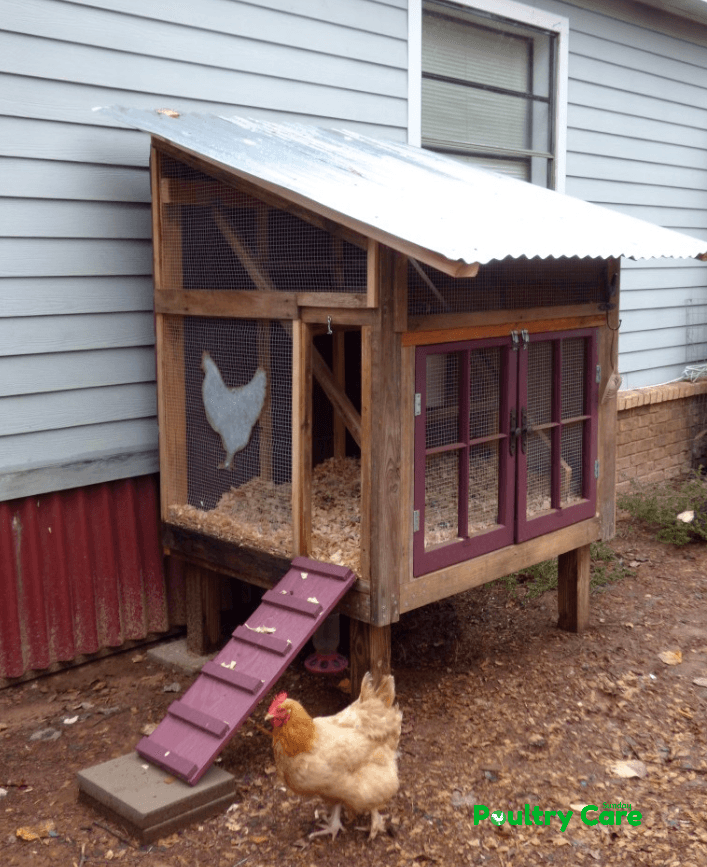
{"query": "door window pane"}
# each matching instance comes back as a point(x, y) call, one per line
point(441, 498)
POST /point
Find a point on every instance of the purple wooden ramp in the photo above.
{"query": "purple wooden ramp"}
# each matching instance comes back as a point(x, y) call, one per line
point(200, 724)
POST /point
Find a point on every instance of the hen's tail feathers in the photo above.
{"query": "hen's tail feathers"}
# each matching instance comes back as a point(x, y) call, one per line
point(385, 691)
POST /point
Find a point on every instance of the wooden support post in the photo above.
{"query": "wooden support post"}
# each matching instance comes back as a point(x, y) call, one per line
point(343, 407)
point(339, 369)
point(171, 402)
point(573, 589)
point(370, 651)
point(301, 438)
point(203, 603)
point(384, 525)
point(608, 352)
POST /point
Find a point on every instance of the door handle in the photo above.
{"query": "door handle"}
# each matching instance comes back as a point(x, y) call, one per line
point(514, 433)
point(524, 428)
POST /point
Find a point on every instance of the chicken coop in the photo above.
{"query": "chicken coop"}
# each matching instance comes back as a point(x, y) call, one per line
point(337, 379)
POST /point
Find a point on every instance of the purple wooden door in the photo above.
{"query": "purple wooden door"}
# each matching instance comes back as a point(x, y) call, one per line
point(505, 443)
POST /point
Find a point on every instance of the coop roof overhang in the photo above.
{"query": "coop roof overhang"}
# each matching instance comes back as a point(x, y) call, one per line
point(444, 212)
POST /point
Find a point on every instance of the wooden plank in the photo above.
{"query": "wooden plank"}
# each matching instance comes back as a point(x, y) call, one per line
point(339, 373)
point(227, 304)
point(407, 460)
point(203, 606)
point(445, 321)
point(573, 573)
point(476, 332)
point(343, 317)
point(301, 438)
point(608, 358)
point(198, 718)
point(345, 410)
point(488, 567)
point(400, 294)
point(372, 273)
point(171, 406)
point(334, 301)
point(384, 528)
point(204, 192)
point(370, 650)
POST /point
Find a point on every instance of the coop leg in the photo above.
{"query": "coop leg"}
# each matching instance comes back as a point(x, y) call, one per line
point(203, 609)
point(573, 589)
point(370, 651)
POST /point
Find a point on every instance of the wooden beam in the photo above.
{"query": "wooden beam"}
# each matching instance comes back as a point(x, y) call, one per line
point(339, 372)
point(227, 304)
point(338, 398)
point(445, 321)
point(608, 352)
point(177, 191)
point(573, 573)
point(203, 606)
point(169, 347)
point(384, 527)
point(301, 438)
point(369, 650)
point(489, 567)
point(255, 271)
point(355, 317)
point(476, 332)
point(334, 301)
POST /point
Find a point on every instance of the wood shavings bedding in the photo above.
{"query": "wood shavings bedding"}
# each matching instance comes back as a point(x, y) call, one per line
point(259, 514)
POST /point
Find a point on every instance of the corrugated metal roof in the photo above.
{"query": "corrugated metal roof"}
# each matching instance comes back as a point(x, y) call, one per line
point(406, 195)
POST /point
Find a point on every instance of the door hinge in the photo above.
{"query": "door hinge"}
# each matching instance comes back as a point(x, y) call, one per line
point(418, 404)
point(416, 521)
point(596, 469)
point(598, 374)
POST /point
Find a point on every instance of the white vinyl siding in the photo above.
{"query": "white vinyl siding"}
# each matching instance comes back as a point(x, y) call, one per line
point(637, 143)
point(77, 402)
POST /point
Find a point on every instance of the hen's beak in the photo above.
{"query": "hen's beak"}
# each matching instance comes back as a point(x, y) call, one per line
point(268, 716)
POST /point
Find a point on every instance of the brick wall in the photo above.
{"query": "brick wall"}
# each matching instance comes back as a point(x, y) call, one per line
point(657, 427)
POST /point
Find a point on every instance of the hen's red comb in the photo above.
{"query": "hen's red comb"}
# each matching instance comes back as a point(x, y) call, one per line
point(276, 702)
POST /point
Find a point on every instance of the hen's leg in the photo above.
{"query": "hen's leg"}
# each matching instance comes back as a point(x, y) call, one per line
point(377, 823)
point(332, 826)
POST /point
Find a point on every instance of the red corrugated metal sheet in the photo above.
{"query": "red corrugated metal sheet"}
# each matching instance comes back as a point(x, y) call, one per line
point(80, 571)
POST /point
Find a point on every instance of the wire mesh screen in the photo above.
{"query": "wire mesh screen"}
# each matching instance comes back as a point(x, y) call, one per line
point(484, 427)
point(573, 407)
point(236, 398)
point(507, 286)
point(222, 238)
point(540, 389)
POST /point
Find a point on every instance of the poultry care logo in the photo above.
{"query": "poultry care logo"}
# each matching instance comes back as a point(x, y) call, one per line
point(608, 814)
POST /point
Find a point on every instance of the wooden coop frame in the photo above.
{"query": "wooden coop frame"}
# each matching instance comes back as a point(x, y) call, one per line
point(392, 335)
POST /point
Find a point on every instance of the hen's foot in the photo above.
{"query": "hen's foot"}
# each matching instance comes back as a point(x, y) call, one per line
point(377, 824)
point(332, 826)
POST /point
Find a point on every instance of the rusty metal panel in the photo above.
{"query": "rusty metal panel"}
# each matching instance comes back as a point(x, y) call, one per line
point(80, 571)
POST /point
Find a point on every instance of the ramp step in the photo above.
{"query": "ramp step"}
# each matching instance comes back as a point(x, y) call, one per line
point(292, 603)
point(198, 718)
point(267, 642)
point(166, 758)
point(232, 677)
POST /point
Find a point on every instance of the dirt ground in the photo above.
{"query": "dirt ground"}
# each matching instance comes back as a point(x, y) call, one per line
point(500, 709)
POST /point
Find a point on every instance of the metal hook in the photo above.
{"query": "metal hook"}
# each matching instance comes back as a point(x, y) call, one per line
point(610, 327)
point(328, 325)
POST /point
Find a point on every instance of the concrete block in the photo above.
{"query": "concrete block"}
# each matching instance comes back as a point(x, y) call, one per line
point(147, 801)
point(174, 655)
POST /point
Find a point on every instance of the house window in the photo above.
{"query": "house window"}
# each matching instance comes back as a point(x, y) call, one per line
point(492, 88)
point(505, 442)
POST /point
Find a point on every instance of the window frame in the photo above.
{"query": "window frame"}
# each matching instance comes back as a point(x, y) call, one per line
point(513, 525)
point(515, 12)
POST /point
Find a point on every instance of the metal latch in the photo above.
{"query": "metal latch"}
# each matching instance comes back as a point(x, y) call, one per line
point(525, 337)
point(515, 342)
point(596, 469)
point(416, 521)
point(598, 375)
point(418, 404)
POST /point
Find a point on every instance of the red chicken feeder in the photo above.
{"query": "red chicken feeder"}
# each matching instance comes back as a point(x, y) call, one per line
point(326, 663)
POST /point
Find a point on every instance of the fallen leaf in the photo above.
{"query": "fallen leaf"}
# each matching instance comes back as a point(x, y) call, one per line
point(44, 829)
point(629, 769)
point(670, 657)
